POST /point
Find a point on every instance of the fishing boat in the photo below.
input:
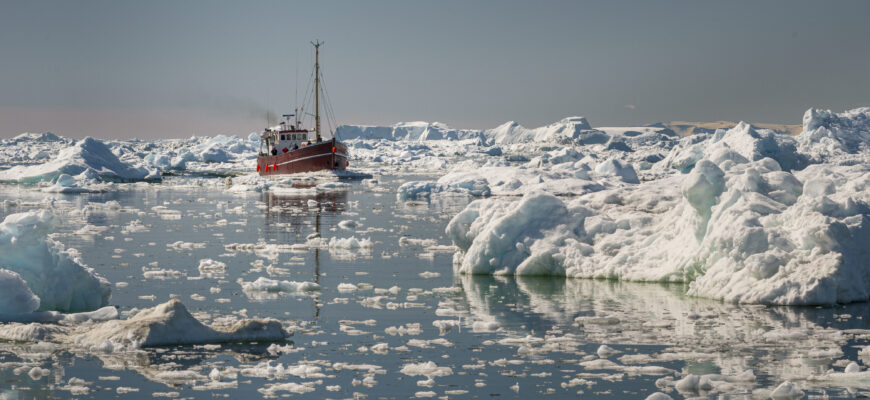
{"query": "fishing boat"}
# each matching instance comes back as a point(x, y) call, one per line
point(289, 148)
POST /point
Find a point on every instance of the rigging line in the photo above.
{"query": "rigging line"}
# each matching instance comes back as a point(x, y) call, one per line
point(326, 107)
point(327, 102)
point(334, 119)
point(296, 84)
point(308, 92)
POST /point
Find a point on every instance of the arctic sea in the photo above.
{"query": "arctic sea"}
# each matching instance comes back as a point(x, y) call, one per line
point(393, 320)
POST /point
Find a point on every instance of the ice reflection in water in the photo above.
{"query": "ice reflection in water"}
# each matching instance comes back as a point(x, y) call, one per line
point(655, 324)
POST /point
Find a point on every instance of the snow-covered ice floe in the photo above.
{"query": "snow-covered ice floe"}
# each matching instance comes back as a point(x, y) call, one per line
point(748, 222)
point(163, 325)
point(171, 324)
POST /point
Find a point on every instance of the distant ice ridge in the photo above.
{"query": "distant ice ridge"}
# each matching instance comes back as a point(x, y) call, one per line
point(412, 131)
point(54, 276)
point(736, 230)
point(574, 130)
point(85, 154)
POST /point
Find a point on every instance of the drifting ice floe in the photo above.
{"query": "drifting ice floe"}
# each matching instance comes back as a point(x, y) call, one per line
point(166, 324)
point(171, 324)
point(266, 288)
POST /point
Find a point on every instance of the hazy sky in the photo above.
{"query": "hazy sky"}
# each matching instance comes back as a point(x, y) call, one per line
point(175, 68)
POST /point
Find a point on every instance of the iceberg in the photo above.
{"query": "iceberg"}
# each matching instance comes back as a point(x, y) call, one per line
point(88, 153)
point(55, 276)
point(735, 230)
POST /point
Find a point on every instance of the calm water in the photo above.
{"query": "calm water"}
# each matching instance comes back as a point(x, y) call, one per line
point(501, 337)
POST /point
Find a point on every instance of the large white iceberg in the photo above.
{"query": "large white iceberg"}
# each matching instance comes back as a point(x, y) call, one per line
point(56, 276)
point(734, 229)
point(88, 153)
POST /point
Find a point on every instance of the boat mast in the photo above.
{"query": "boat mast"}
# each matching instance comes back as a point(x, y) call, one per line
point(317, 44)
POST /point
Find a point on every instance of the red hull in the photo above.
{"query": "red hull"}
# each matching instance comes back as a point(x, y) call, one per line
point(330, 154)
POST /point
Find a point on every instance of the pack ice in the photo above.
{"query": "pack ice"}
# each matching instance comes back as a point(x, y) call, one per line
point(743, 215)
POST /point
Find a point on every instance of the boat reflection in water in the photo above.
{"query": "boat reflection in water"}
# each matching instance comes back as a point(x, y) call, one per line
point(298, 211)
point(292, 219)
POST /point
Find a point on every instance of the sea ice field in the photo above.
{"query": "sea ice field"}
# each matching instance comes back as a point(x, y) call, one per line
point(562, 261)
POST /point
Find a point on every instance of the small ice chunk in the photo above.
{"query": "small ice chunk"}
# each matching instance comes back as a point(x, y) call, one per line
point(209, 266)
point(786, 391)
point(347, 224)
point(659, 396)
point(605, 351)
point(346, 287)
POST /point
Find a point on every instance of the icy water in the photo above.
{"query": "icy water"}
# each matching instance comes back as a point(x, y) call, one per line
point(487, 336)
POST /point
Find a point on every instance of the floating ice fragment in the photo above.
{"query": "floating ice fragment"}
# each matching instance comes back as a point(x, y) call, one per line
point(208, 265)
point(659, 396)
point(786, 391)
point(605, 351)
point(263, 284)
